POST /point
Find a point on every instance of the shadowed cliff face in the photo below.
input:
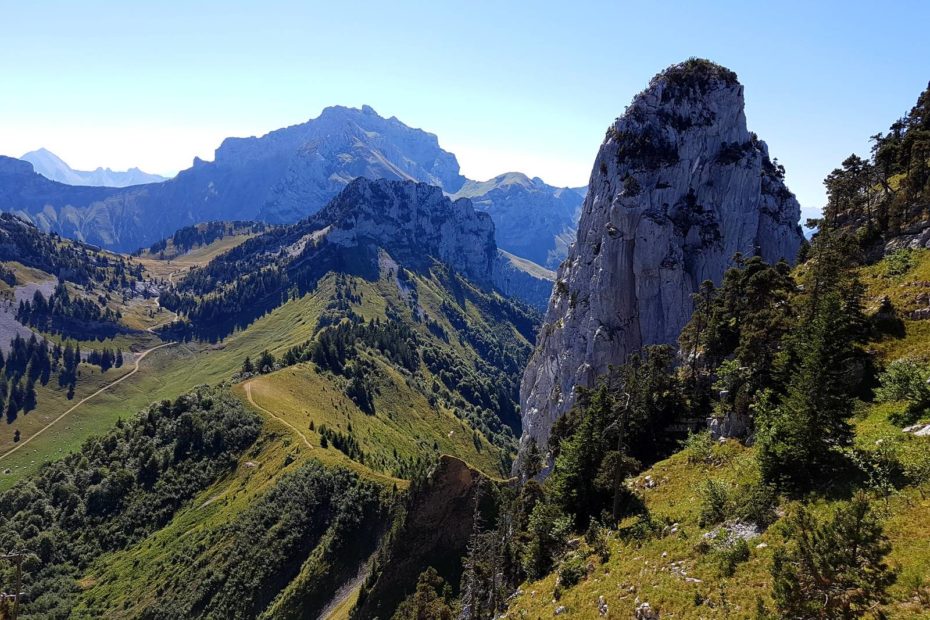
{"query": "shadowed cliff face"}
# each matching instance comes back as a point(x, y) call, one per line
point(678, 187)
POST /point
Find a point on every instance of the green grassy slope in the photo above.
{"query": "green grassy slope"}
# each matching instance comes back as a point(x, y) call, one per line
point(669, 570)
point(407, 427)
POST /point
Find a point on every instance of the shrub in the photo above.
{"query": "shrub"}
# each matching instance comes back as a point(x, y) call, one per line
point(833, 568)
point(714, 503)
point(572, 570)
point(755, 503)
point(700, 448)
point(906, 380)
point(598, 537)
point(899, 262)
point(728, 557)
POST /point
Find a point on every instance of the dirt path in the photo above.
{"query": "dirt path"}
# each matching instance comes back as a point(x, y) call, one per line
point(343, 593)
point(139, 359)
point(248, 395)
point(135, 369)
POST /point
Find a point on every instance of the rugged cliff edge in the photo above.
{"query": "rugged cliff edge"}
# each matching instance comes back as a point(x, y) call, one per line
point(678, 187)
point(413, 221)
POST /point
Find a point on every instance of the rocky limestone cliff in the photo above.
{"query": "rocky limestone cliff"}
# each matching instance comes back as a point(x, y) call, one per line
point(678, 187)
point(416, 222)
point(412, 222)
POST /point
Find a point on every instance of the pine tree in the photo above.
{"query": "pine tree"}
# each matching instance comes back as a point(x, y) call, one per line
point(833, 569)
point(800, 436)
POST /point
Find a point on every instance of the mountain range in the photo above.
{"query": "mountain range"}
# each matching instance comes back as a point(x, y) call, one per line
point(346, 413)
point(287, 175)
point(54, 168)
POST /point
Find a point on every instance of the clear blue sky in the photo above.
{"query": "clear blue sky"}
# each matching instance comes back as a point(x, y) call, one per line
point(527, 86)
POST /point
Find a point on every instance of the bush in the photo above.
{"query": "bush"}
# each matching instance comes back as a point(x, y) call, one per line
point(700, 448)
point(714, 503)
point(572, 570)
point(833, 568)
point(899, 262)
point(548, 530)
point(906, 380)
point(598, 537)
point(728, 557)
point(915, 465)
point(755, 503)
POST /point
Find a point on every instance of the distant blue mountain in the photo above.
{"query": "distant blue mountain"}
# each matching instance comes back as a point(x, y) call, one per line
point(54, 168)
point(282, 177)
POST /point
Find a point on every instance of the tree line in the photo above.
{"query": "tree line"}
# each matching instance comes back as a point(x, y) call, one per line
point(31, 361)
point(888, 192)
point(64, 313)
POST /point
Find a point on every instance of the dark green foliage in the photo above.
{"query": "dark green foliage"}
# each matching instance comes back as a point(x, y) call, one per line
point(752, 502)
point(729, 556)
point(432, 600)
point(359, 392)
point(803, 432)
point(692, 78)
point(736, 334)
point(247, 366)
point(909, 381)
point(189, 237)
point(28, 362)
point(714, 503)
point(433, 527)
point(647, 148)
point(72, 261)
point(312, 510)
point(7, 275)
point(547, 531)
point(266, 362)
point(572, 570)
point(105, 358)
point(345, 443)
point(834, 568)
point(119, 488)
point(615, 427)
point(63, 313)
point(888, 194)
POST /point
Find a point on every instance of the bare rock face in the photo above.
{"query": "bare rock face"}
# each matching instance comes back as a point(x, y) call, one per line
point(413, 221)
point(678, 188)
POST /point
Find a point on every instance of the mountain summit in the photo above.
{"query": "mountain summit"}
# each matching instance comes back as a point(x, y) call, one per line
point(282, 177)
point(678, 188)
point(533, 220)
point(53, 167)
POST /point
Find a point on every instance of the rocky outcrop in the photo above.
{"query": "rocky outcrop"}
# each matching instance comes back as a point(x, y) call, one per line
point(416, 223)
point(283, 177)
point(678, 187)
point(413, 222)
point(533, 220)
point(433, 531)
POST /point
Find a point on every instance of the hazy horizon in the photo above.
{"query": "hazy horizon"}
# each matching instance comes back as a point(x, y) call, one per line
point(506, 89)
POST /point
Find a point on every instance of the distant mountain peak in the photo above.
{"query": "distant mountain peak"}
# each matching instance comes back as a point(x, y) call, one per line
point(53, 167)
